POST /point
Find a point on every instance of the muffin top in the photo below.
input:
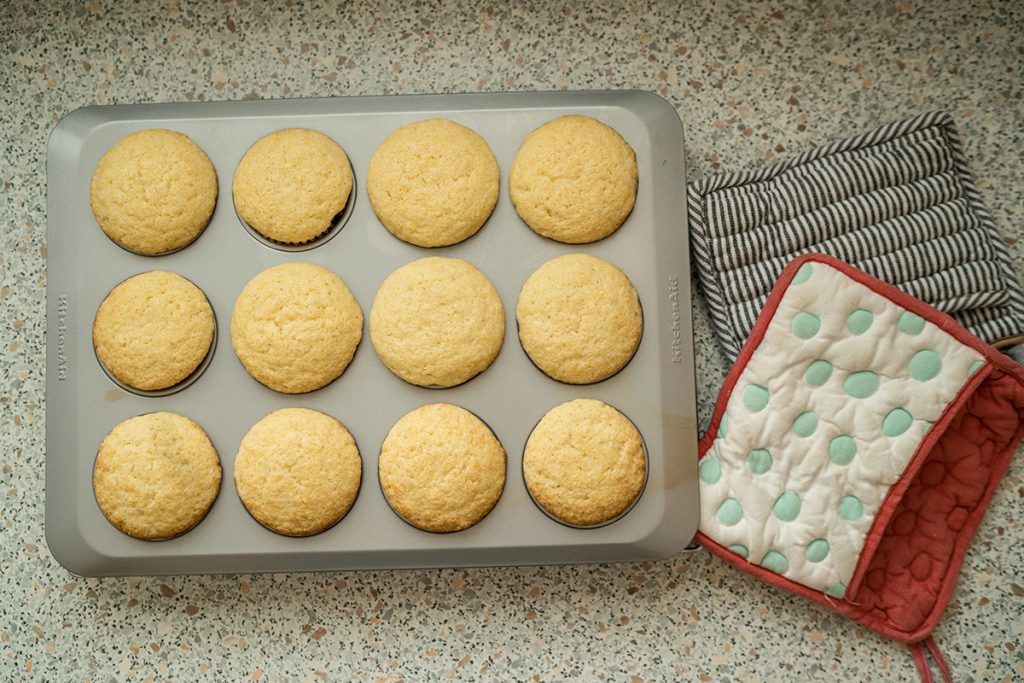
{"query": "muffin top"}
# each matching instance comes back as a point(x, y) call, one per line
point(298, 471)
point(153, 330)
point(579, 318)
point(433, 183)
point(291, 185)
point(437, 322)
point(295, 327)
point(574, 180)
point(156, 475)
point(153, 192)
point(585, 463)
point(441, 468)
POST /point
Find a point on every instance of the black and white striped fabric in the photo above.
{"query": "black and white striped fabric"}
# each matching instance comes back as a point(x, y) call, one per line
point(897, 202)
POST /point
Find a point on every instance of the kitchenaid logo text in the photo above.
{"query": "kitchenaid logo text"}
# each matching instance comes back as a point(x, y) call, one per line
point(62, 329)
point(677, 334)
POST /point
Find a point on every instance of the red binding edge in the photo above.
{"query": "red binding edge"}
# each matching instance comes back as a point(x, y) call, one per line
point(994, 359)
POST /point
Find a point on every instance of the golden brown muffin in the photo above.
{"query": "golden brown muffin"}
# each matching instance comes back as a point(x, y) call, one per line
point(574, 180)
point(441, 468)
point(156, 475)
point(579, 318)
point(153, 330)
point(291, 184)
point(584, 463)
point(295, 327)
point(437, 322)
point(298, 471)
point(433, 183)
point(154, 191)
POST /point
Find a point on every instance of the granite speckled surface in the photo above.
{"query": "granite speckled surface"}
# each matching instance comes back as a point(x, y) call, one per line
point(752, 82)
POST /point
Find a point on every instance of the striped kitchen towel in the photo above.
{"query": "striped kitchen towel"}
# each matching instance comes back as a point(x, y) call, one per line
point(897, 202)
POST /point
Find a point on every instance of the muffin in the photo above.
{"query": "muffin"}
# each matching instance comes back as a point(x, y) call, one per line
point(153, 192)
point(437, 322)
point(153, 330)
point(579, 319)
point(298, 471)
point(433, 183)
point(295, 327)
point(584, 463)
point(574, 180)
point(291, 184)
point(156, 475)
point(441, 468)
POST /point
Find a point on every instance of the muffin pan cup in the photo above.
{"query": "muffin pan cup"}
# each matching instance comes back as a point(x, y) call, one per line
point(656, 389)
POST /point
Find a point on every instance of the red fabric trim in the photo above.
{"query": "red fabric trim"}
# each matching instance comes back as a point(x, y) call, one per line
point(881, 288)
point(774, 579)
point(899, 487)
point(921, 662)
point(753, 341)
point(998, 368)
point(997, 469)
point(920, 655)
point(900, 298)
point(929, 642)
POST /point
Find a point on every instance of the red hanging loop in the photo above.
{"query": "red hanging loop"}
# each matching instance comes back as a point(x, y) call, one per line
point(920, 651)
point(921, 662)
point(929, 642)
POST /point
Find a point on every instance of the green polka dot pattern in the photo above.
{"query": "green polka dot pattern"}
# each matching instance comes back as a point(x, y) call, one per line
point(850, 508)
point(804, 274)
point(836, 590)
point(859, 321)
point(861, 384)
point(787, 506)
point(740, 550)
point(910, 323)
point(925, 365)
point(710, 470)
point(759, 461)
point(846, 383)
point(775, 561)
point(842, 449)
point(817, 550)
point(805, 325)
point(896, 422)
point(818, 372)
point(755, 398)
point(730, 512)
point(805, 424)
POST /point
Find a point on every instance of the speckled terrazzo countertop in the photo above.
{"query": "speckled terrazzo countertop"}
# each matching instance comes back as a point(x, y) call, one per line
point(751, 83)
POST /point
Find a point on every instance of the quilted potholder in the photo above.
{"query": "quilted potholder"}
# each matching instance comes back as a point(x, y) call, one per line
point(897, 202)
point(854, 448)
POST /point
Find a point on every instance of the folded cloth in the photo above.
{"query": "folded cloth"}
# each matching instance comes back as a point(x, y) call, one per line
point(897, 202)
point(854, 448)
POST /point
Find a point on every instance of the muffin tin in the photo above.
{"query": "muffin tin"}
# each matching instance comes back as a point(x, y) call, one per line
point(655, 390)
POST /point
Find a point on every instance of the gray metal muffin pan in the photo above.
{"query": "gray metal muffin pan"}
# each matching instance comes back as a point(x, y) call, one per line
point(655, 390)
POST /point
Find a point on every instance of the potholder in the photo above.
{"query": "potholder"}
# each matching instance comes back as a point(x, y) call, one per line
point(854, 448)
point(897, 202)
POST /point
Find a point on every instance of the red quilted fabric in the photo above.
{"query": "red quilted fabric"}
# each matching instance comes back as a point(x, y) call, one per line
point(911, 557)
point(912, 573)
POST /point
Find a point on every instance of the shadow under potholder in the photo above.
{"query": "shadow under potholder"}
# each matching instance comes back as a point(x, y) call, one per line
point(854, 449)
